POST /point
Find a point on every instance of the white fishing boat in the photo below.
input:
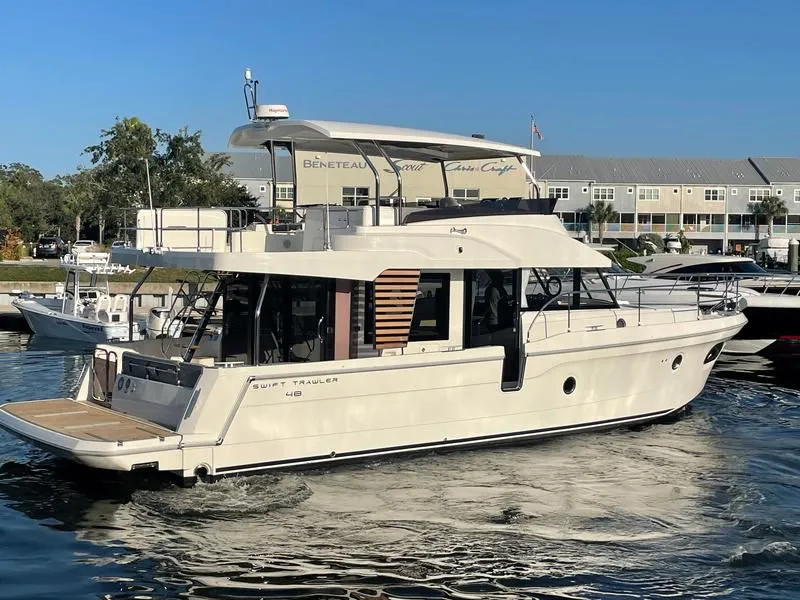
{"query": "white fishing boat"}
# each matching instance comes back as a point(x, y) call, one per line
point(85, 310)
point(370, 331)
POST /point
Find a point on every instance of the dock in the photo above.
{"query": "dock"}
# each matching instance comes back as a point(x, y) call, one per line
point(11, 319)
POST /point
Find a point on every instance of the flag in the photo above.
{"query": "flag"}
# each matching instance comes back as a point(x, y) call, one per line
point(535, 130)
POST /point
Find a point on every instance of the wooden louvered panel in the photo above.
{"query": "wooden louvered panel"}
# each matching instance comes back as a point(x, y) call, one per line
point(395, 296)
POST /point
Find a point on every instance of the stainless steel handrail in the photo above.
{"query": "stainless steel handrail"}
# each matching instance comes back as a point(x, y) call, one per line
point(712, 300)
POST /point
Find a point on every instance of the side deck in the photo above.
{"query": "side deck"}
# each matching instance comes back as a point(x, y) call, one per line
point(85, 421)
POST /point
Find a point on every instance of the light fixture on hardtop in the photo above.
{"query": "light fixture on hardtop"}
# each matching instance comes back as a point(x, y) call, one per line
point(256, 111)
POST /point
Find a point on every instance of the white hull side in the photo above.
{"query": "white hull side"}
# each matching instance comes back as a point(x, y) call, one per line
point(437, 406)
point(50, 323)
point(248, 419)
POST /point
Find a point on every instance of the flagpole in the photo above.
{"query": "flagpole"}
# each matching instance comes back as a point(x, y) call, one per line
point(530, 133)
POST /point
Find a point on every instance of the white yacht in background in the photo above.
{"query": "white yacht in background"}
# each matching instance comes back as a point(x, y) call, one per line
point(85, 311)
point(770, 300)
point(369, 331)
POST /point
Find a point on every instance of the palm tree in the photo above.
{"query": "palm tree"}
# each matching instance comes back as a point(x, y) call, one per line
point(600, 213)
point(769, 208)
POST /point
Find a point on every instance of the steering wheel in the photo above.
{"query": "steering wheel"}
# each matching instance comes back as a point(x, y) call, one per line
point(553, 286)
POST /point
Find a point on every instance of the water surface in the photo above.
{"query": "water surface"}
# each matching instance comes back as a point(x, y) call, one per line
point(705, 507)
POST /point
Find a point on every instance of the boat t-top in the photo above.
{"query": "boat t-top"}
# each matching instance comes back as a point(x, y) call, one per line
point(370, 331)
point(85, 310)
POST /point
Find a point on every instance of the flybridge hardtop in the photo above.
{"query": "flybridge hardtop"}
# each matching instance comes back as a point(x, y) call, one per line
point(397, 142)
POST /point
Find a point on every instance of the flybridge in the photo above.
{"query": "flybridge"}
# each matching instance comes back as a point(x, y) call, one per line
point(271, 129)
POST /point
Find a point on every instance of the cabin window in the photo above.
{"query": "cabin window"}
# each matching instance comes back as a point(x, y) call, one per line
point(352, 195)
point(559, 289)
point(714, 268)
point(431, 318)
point(237, 331)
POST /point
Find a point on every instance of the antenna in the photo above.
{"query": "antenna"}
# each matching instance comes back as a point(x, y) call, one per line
point(256, 111)
point(250, 93)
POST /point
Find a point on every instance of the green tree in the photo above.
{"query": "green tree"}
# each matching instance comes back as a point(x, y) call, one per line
point(768, 209)
point(80, 197)
point(27, 201)
point(180, 172)
point(600, 213)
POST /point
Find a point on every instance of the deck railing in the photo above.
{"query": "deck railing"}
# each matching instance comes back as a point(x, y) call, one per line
point(641, 292)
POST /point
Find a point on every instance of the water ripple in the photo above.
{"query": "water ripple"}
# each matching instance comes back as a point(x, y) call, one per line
point(705, 507)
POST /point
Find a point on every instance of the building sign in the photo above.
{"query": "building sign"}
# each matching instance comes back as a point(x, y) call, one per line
point(493, 167)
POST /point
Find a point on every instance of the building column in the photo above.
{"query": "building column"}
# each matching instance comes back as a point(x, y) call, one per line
point(725, 221)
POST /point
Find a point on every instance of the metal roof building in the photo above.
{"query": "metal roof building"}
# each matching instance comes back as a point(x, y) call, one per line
point(778, 170)
point(648, 171)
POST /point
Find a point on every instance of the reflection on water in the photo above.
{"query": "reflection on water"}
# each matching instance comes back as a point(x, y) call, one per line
point(705, 506)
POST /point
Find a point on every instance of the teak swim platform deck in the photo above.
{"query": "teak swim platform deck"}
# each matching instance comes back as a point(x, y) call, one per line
point(85, 421)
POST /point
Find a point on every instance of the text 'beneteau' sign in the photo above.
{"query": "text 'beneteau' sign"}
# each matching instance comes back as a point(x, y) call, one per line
point(494, 167)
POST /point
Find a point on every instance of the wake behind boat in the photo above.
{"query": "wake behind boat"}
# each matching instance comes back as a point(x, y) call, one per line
point(368, 331)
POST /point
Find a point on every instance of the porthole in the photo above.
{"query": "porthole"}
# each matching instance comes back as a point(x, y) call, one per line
point(621, 323)
point(714, 353)
point(569, 385)
point(677, 362)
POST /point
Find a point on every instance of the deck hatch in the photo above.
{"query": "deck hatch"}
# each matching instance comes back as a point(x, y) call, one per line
point(162, 371)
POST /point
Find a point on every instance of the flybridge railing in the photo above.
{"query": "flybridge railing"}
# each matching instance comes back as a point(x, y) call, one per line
point(646, 293)
point(203, 229)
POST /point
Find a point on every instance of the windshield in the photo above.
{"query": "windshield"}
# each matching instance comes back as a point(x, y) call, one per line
point(743, 266)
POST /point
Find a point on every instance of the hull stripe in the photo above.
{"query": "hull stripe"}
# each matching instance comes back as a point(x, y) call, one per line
point(473, 441)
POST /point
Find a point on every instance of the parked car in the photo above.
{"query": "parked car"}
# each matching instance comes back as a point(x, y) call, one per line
point(83, 246)
point(50, 247)
point(120, 244)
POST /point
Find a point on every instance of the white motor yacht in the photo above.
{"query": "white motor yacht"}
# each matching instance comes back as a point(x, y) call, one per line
point(85, 311)
point(770, 300)
point(371, 331)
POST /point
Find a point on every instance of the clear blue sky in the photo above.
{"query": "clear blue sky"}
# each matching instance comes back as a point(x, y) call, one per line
point(614, 78)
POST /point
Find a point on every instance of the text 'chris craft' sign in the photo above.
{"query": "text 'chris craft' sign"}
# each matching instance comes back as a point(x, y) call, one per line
point(494, 167)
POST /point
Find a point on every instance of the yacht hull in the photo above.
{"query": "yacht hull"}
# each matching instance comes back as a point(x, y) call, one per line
point(246, 420)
